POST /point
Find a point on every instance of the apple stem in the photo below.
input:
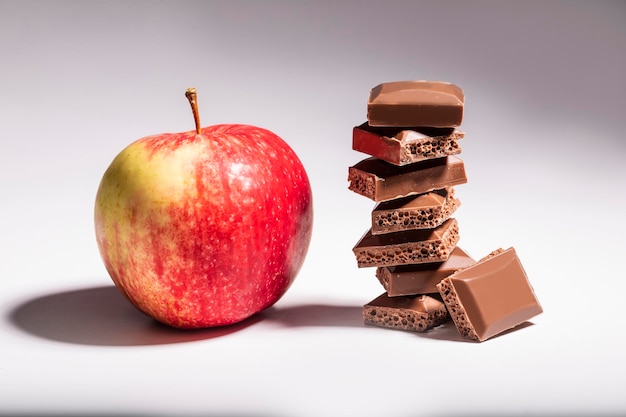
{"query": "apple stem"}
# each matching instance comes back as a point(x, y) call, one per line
point(193, 100)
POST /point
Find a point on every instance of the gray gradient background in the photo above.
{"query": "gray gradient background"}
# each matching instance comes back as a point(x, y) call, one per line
point(544, 153)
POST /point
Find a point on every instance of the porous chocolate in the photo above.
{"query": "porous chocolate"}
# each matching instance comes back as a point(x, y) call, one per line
point(423, 211)
point(489, 297)
point(416, 313)
point(382, 181)
point(408, 247)
point(422, 278)
point(415, 103)
point(402, 146)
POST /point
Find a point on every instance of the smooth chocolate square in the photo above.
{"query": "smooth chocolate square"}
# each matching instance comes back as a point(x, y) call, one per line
point(415, 103)
point(489, 297)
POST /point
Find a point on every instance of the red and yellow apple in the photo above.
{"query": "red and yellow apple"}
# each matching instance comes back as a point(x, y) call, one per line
point(207, 227)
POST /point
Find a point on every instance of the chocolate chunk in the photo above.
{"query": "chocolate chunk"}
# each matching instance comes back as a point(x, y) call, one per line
point(421, 278)
point(415, 103)
point(417, 314)
point(402, 146)
point(381, 181)
point(423, 211)
point(409, 247)
point(490, 296)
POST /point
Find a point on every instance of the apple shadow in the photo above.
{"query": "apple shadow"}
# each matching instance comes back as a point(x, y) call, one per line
point(102, 316)
point(315, 315)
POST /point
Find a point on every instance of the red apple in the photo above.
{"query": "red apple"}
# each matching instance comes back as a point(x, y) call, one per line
point(207, 227)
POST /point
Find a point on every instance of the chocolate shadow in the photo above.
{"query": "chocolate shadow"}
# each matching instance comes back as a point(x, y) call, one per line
point(448, 331)
point(102, 316)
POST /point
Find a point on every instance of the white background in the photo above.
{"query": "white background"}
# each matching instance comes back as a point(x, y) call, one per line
point(544, 154)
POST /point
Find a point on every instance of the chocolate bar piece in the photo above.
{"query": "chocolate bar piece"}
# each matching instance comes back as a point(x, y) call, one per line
point(490, 296)
point(417, 313)
point(415, 103)
point(382, 181)
point(402, 146)
point(424, 211)
point(409, 247)
point(421, 278)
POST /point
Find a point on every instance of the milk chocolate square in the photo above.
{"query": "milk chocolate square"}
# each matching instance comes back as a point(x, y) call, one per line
point(422, 278)
point(408, 247)
point(415, 103)
point(489, 297)
point(423, 211)
point(414, 313)
point(402, 146)
point(382, 181)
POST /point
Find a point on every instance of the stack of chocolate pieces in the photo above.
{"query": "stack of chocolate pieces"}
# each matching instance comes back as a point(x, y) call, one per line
point(412, 138)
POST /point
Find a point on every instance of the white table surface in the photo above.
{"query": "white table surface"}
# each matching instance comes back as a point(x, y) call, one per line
point(544, 154)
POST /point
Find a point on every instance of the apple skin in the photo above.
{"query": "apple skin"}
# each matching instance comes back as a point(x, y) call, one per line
point(203, 230)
